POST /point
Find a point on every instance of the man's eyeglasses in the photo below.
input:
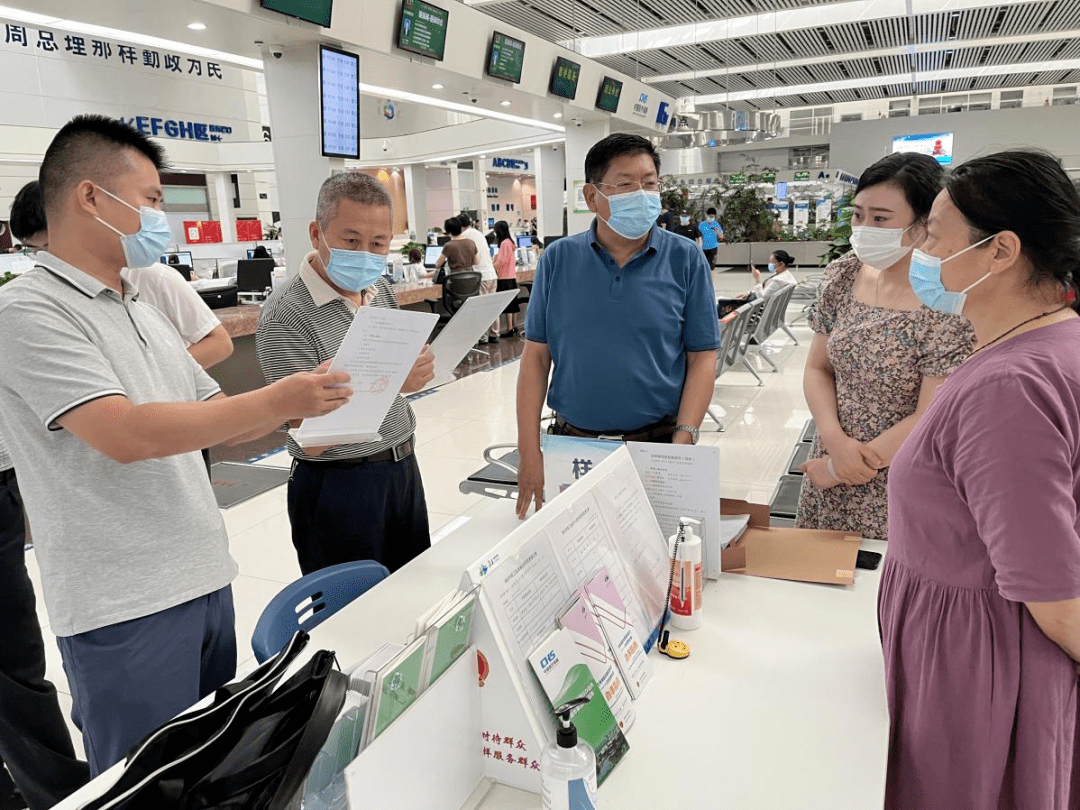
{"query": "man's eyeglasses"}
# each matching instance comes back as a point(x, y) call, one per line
point(626, 188)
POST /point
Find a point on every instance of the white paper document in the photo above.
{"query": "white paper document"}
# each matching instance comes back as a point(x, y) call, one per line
point(683, 480)
point(377, 353)
point(464, 329)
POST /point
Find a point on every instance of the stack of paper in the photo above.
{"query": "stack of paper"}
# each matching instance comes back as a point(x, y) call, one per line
point(732, 528)
point(448, 636)
point(617, 624)
point(325, 787)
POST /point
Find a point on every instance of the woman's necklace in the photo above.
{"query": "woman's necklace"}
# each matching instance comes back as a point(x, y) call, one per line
point(1022, 323)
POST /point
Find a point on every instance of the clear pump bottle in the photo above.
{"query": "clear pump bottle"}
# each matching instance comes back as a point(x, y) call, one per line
point(568, 767)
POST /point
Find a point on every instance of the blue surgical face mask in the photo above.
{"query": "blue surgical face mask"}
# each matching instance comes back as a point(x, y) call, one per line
point(632, 214)
point(353, 270)
point(145, 246)
point(772, 267)
point(925, 276)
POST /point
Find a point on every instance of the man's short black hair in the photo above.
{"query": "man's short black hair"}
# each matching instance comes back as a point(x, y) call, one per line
point(603, 152)
point(28, 212)
point(465, 220)
point(91, 147)
point(710, 212)
point(453, 226)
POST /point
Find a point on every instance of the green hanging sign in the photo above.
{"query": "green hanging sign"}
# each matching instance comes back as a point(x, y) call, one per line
point(802, 175)
point(738, 178)
point(768, 177)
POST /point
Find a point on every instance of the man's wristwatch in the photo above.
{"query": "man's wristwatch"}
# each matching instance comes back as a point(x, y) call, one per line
point(693, 431)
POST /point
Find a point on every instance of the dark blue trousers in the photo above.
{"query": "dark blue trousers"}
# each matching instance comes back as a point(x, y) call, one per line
point(34, 740)
point(129, 678)
point(343, 511)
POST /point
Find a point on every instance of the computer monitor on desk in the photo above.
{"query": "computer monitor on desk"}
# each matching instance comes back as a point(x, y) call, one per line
point(179, 257)
point(431, 255)
point(254, 275)
point(524, 241)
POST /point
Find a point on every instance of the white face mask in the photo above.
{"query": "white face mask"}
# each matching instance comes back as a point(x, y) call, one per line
point(879, 247)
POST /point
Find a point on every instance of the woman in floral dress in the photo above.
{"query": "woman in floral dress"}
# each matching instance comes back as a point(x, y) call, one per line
point(878, 355)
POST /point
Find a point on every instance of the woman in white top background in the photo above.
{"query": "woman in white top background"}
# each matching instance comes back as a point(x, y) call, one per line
point(781, 278)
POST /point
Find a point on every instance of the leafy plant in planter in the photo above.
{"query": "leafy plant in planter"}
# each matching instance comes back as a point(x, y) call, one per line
point(747, 217)
point(839, 235)
point(6, 277)
point(409, 246)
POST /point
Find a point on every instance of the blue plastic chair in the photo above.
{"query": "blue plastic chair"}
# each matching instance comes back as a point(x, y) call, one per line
point(311, 600)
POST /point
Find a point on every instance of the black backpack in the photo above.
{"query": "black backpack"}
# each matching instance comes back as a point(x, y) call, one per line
point(251, 748)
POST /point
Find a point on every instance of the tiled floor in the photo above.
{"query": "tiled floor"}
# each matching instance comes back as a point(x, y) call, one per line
point(456, 423)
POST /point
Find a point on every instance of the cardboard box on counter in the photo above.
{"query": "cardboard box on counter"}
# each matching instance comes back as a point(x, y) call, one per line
point(804, 555)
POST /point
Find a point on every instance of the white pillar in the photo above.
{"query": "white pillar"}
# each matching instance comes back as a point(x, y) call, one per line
point(579, 140)
point(416, 201)
point(550, 165)
point(455, 190)
point(292, 90)
point(481, 183)
point(221, 192)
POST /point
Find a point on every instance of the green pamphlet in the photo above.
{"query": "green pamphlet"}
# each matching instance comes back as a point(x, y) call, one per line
point(397, 685)
point(563, 674)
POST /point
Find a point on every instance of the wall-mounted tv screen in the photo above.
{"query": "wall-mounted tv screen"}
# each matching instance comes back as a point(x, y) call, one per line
point(422, 29)
point(339, 88)
point(938, 146)
point(564, 78)
point(506, 58)
point(316, 11)
point(608, 97)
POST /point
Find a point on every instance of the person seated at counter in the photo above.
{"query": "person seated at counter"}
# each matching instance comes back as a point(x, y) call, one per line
point(779, 262)
point(203, 335)
point(414, 270)
point(623, 315)
point(459, 253)
point(103, 413)
point(350, 501)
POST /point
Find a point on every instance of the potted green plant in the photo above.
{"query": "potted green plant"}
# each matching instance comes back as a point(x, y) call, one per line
point(839, 236)
point(6, 277)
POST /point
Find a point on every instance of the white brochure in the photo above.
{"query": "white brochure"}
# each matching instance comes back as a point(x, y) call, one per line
point(377, 353)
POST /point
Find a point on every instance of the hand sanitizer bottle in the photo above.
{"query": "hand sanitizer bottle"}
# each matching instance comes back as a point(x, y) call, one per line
point(685, 597)
point(568, 768)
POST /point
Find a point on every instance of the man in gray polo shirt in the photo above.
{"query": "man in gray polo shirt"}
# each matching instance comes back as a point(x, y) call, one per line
point(352, 501)
point(104, 413)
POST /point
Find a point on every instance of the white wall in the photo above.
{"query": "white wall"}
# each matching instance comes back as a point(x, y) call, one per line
point(856, 145)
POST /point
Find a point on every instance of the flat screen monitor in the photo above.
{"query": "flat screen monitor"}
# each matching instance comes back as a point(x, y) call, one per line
point(251, 254)
point(608, 97)
point(550, 240)
point(339, 89)
point(524, 242)
point(564, 78)
point(316, 11)
point(506, 58)
point(492, 250)
point(180, 257)
point(432, 254)
point(422, 29)
point(254, 275)
point(938, 145)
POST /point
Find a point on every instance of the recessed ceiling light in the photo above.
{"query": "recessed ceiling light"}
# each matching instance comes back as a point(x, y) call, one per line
point(505, 103)
point(558, 115)
point(196, 26)
point(483, 157)
point(436, 87)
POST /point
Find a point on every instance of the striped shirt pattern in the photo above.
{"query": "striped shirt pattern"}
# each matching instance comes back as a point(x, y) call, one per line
point(5, 458)
point(295, 334)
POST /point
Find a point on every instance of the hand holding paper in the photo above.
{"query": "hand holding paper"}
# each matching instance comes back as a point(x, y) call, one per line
point(423, 372)
point(309, 393)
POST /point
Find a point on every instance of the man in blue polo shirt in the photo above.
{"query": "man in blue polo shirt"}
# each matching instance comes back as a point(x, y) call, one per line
point(623, 318)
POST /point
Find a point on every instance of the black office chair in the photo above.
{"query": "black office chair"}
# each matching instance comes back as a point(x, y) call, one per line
point(457, 288)
point(185, 270)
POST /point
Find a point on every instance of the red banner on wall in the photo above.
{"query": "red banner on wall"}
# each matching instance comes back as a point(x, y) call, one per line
point(248, 230)
point(202, 232)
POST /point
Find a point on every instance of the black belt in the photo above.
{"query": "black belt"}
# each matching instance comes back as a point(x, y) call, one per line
point(396, 453)
point(662, 429)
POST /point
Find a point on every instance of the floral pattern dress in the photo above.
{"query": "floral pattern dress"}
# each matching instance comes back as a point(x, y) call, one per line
point(880, 357)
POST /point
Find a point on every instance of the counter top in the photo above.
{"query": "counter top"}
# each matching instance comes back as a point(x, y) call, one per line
point(239, 320)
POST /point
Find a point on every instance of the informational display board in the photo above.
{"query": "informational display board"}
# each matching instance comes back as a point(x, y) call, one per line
point(564, 78)
point(248, 230)
point(202, 232)
point(339, 85)
point(423, 29)
point(316, 11)
point(608, 97)
point(938, 145)
point(506, 59)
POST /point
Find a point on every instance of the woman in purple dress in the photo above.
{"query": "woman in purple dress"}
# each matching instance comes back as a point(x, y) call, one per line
point(979, 605)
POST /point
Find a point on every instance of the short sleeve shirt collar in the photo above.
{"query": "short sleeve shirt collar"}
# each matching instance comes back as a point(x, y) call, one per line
point(321, 292)
point(649, 249)
point(85, 283)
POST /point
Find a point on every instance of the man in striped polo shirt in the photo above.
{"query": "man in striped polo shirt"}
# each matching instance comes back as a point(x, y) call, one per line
point(351, 501)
